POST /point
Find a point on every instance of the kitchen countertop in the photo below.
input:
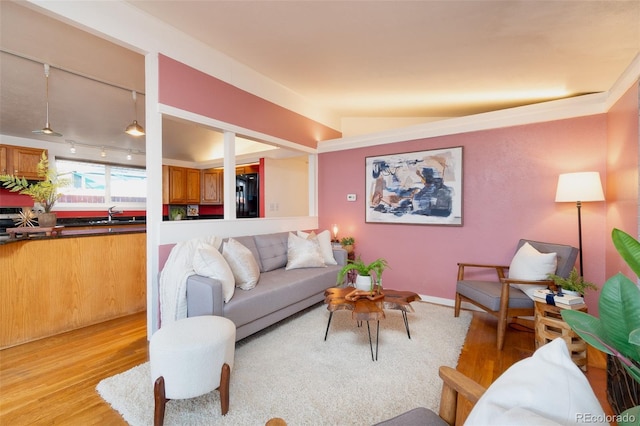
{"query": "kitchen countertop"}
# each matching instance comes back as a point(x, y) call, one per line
point(100, 221)
point(68, 231)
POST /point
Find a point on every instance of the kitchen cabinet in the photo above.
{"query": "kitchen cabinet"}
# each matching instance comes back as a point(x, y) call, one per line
point(193, 186)
point(212, 186)
point(180, 185)
point(212, 191)
point(20, 161)
point(89, 280)
point(3, 160)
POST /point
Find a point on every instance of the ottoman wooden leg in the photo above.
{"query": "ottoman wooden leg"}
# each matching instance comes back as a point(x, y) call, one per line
point(225, 376)
point(160, 401)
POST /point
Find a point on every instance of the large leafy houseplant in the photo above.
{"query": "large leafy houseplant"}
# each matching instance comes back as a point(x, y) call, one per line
point(617, 331)
point(45, 192)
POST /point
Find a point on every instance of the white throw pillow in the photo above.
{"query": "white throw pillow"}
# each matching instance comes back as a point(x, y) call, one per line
point(243, 265)
point(303, 253)
point(531, 265)
point(544, 388)
point(324, 239)
point(209, 262)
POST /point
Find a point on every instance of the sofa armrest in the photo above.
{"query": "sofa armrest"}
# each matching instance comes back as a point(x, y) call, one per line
point(340, 255)
point(204, 296)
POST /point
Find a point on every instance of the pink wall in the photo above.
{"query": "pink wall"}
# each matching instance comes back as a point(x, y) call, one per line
point(510, 178)
point(622, 175)
point(187, 88)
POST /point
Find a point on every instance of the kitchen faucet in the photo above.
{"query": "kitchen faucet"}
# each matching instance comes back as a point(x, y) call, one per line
point(111, 212)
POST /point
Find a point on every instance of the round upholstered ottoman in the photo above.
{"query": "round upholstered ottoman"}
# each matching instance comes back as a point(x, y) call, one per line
point(192, 357)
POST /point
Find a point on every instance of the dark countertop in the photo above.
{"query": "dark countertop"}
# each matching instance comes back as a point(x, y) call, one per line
point(116, 228)
point(101, 221)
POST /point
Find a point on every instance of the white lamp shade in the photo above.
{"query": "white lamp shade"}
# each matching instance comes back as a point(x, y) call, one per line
point(582, 186)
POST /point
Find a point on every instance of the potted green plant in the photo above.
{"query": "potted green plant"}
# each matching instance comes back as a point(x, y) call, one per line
point(364, 281)
point(44, 192)
point(347, 244)
point(617, 330)
point(573, 283)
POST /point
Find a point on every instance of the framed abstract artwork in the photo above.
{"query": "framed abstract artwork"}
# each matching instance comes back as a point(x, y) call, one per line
point(420, 188)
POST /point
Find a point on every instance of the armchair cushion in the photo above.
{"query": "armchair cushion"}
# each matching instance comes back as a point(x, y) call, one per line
point(530, 265)
point(487, 293)
point(417, 417)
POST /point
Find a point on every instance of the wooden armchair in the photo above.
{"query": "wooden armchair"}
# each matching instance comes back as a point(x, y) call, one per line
point(518, 396)
point(499, 297)
point(454, 384)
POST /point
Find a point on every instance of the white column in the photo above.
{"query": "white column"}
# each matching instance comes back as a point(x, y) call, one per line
point(229, 175)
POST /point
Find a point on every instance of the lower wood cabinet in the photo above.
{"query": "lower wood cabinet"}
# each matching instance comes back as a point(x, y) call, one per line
point(55, 285)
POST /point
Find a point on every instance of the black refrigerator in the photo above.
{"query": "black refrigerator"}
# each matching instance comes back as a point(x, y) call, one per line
point(247, 195)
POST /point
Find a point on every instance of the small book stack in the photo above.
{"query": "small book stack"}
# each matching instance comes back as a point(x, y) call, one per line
point(566, 301)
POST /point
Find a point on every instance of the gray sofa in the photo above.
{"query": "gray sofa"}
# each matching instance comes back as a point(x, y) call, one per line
point(279, 293)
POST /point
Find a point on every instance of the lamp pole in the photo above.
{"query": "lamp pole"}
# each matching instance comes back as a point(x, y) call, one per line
point(579, 205)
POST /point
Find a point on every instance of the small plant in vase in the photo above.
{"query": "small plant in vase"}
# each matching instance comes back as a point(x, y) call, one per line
point(364, 280)
point(574, 283)
point(44, 192)
point(347, 244)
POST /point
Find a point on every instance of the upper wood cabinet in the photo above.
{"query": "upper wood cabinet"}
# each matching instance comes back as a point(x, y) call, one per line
point(212, 187)
point(180, 185)
point(20, 161)
point(3, 160)
point(212, 180)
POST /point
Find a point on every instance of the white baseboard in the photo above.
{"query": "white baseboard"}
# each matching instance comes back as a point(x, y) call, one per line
point(448, 302)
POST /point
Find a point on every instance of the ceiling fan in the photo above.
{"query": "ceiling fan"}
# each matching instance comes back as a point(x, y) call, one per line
point(47, 130)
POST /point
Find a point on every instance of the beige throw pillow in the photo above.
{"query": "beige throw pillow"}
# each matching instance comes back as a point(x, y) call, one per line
point(209, 262)
point(324, 239)
point(303, 253)
point(243, 265)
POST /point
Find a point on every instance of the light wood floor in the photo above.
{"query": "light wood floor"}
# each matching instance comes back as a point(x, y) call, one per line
point(52, 381)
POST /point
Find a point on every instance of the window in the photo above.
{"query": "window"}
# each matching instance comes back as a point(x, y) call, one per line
point(101, 185)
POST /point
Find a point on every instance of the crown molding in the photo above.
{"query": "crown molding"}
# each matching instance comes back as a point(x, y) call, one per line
point(579, 106)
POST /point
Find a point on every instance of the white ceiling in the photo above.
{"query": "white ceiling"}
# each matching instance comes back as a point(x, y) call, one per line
point(361, 59)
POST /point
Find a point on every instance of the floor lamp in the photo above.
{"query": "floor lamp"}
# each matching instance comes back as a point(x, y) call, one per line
point(578, 188)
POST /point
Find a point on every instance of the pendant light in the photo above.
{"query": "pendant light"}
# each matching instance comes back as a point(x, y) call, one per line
point(47, 128)
point(134, 129)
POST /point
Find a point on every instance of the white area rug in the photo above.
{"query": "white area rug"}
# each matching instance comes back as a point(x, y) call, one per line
point(289, 371)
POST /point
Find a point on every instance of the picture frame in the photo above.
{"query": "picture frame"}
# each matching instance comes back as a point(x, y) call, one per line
point(418, 188)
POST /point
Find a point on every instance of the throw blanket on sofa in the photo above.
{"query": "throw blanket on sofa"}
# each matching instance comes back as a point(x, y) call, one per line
point(173, 278)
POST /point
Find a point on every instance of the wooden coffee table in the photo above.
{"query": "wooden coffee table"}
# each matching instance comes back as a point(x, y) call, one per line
point(369, 309)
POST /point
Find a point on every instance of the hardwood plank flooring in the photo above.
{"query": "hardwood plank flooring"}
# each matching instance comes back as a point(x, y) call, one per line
point(53, 380)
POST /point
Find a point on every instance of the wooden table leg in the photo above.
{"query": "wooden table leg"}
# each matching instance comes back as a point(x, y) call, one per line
point(160, 400)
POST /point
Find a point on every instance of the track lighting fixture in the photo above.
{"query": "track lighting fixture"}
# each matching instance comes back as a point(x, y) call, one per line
point(134, 129)
point(104, 149)
point(47, 130)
